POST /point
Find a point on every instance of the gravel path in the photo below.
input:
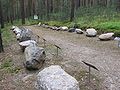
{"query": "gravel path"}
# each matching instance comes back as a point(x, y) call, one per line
point(104, 55)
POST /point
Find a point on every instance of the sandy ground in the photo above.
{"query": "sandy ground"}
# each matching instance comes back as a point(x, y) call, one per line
point(103, 54)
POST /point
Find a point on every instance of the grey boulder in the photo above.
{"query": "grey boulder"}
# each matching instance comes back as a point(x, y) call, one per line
point(25, 35)
point(71, 30)
point(35, 57)
point(64, 28)
point(78, 31)
point(106, 36)
point(55, 78)
point(91, 32)
point(25, 44)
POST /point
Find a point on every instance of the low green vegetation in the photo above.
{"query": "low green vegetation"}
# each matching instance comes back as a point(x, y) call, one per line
point(102, 27)
point(102, 19)
point(8, 66)
point(7, 35)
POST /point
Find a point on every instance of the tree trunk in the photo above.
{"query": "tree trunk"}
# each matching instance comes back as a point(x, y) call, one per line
point(22, 12)
point(2, 26)
point(118, 5)
point(47, 9)
point(1, 44)
point(51, 6)
point(1, 16)
point(72, 10)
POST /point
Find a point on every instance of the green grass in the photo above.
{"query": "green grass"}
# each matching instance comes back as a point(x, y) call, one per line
point(8, 66)
point(100, 23)
point(7, 35)
point(101, 18)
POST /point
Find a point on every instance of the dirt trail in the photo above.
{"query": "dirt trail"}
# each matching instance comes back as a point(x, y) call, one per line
point(104, 55)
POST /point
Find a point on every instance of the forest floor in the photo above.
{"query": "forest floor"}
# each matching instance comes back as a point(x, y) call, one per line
point(75, 48)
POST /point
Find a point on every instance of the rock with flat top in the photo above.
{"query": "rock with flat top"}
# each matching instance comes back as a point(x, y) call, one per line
point(35, 57)
point(55, 78)
point(106, 36)
point(91, 32)
point(25, 44)
point(78, 31)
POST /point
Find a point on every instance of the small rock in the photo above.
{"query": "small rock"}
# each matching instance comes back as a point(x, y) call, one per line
point(117, 38)
point(78, 31)
point(39, 24)
point(71, 30)
point(64, 28)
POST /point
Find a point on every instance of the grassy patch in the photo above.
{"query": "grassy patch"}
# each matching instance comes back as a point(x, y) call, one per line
point(8, 66)
point(101, 18)
point(100, 23)
point(7, 35)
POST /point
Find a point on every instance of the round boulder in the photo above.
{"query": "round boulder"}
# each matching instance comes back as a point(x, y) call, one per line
point(91, 32)
point(106, 36)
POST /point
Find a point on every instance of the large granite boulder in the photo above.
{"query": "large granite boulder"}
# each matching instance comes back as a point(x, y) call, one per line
point(35, 57)
point(55, 78)
point(106, 36)
point(71, 30)
point(91, 32)
point(25, 35)
point(25, 44)
point(78, 31)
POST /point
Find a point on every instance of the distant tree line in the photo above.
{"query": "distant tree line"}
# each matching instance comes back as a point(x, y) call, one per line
point(48, 9)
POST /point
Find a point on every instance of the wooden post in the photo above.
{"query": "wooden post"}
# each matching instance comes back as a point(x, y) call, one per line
point(89, 74)
point(57, 52)
point(90, 66)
